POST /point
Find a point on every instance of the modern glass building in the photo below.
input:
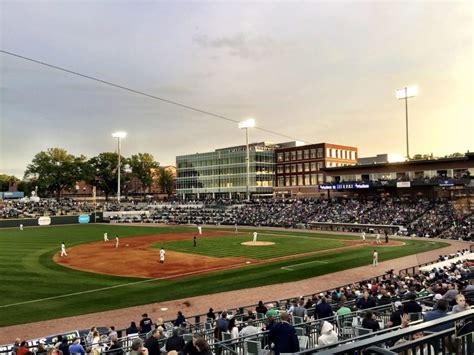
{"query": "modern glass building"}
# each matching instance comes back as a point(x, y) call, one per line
point(223, 172)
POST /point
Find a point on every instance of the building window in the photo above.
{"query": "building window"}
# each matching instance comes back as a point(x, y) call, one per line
point(280, 169)
point(287, 181)
point(293, 168)
point(287, 168)
point(320, 153)
point(314, 180)
point(343, 154)
point(307, 179)
point(320, 165)
point(321, 178)
point(299, 155)
point(279, 157)
point(306, 167)
point(313, 153)
point(300, 168)
point(333, 153)
point(353, 155)
point(293, 154)
point(328, 152)
point(287, 156)
point(306, 154)
point(313, 166)
point(293, 180)
point(300, 180)
point(281, 181)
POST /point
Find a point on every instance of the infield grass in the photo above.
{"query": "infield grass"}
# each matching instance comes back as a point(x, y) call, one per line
point(33, 287)
point(226, 246)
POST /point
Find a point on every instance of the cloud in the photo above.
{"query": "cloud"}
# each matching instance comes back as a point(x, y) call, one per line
point(239, 45)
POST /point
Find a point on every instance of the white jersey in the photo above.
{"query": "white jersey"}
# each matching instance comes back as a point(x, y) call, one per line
point(162, 255)
point(21, 227)
point(63, 249)
point(116, 242)
point(254, 237)
point(106, 238)
point(200, 230)
point(363, 236)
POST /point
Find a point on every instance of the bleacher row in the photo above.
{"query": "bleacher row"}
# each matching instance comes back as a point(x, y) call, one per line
point(350, 334)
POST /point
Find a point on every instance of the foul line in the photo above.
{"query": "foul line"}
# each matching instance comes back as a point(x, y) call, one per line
point(121, 285)
point(289, 268)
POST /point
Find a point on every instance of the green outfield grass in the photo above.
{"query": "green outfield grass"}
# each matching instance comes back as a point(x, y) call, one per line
point(33, 287)
point(231, 246)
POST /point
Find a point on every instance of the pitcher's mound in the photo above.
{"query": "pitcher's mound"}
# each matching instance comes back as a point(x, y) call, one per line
point(255, 244)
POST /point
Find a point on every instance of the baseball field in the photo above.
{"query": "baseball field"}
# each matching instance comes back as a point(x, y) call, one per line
point(37, 284)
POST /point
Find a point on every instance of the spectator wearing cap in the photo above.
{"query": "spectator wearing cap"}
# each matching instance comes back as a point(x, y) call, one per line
point(175, 342)
point(64, 346)
point(76, 347)
point(145, 324)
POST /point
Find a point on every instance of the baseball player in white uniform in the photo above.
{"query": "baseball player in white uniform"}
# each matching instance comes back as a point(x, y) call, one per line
point(63, 249)
point(106, 237)
point(363, 236)
point(200, 230)
point(254, 237)
point(162, 255)
point(21, 227)
point(375, 258)
point(377, 238)
point(116, 242)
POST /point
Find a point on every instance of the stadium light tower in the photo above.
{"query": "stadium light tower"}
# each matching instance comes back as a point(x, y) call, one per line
point(119, 135)
point(404, 94)
point(247, 124)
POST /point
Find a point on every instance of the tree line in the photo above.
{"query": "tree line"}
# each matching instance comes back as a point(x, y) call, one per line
point(55, 170)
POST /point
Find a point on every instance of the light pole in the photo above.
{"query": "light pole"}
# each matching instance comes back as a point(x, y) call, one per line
point(119, 135)
point(247, 124)
point(404, 94)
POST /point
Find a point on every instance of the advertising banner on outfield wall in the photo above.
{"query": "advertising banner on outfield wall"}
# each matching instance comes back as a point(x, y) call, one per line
point(44, 221)
point(84, 218)
point(403, 184)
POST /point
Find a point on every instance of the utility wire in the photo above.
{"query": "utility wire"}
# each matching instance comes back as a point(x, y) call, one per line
point(141, 93)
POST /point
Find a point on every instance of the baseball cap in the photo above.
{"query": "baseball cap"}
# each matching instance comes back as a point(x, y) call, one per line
point(438, 296)
point(398, 304)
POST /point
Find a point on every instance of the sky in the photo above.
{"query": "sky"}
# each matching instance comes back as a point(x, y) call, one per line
point(316, 71)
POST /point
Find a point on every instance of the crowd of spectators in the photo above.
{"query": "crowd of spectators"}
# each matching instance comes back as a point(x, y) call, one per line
point(420, 217)
point(448, 287)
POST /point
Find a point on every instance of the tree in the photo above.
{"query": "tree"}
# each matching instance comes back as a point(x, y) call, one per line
point(456, 155)
point(101, 171)
point(421, 156)
point(6, 180)
point(143, 166)
point(165, 181)
point(54, 170)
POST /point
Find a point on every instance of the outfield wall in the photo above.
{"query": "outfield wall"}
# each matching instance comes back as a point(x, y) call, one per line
point(51, 220)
